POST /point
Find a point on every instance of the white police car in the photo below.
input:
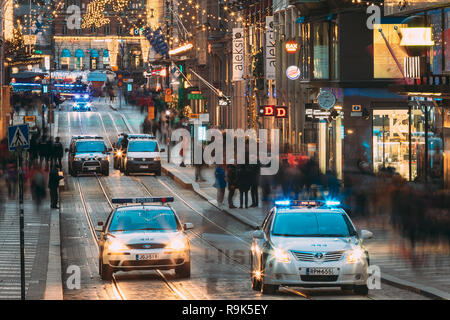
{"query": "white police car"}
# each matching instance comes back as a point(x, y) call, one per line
point(309, 244)
point(143, 236)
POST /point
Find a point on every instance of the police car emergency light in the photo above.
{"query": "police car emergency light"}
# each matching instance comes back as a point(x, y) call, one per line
point(142, 200)
point(307, 203)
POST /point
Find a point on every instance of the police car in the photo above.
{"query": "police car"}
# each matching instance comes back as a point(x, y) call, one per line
point(309, 244)
point(144, 233)
point(88, 154)
point(142, 155)
point(118, 153)
point(82, 106)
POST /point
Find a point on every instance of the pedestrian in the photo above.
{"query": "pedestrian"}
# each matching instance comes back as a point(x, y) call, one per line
point(220, 183)
point(57, 153)
point(232, 182)
point(34, 149)
point(244, 176)
point(4, 154)
point(11, 178)
point(37, 186)
point(255, 173)
point(53, 185)
point(198, 169)
point(43, 152)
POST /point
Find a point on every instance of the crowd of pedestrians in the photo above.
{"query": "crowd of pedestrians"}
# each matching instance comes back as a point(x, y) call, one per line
point(41, 167)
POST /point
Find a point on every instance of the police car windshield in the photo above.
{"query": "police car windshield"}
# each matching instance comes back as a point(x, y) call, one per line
point(141, 219)
point(312, 224)
point(143, 146)
point(90, 146)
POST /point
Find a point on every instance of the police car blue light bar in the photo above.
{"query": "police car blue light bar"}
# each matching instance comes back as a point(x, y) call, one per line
point(307, 203)
point(142, 200)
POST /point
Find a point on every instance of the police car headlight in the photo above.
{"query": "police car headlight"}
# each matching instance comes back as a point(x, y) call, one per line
point(176, 244)
point(118, 153)
point(157, 159)
point(116, 245)
point(281, 256)
point(130, 159)
point(354, 256)
point(78, 159)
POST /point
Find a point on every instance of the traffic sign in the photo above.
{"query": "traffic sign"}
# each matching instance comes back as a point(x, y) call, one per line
point(168, 91)
point(18, 137)
point(29, 119)
point(194, 116)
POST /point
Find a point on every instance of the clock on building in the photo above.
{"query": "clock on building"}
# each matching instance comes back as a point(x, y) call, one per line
point(326, 99)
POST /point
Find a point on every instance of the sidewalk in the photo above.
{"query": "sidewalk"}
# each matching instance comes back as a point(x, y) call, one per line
point(42, 251)
point(429, 274)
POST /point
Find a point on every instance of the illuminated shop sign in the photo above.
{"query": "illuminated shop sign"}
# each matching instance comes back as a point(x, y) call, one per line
point(416, 37)
point(274, 111)
point(291, 46)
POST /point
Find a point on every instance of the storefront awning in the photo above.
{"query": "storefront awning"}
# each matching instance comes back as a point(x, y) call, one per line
point(94, 53)
point(304, 19)
point(79, 53)
point(106, 53)
point(66, 53)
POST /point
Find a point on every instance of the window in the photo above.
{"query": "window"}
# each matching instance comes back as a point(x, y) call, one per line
point(435, 54)
point(334, 52)
point(143, 146)
point(305, 58)
point(321, 50)
point(132, 219)
point(90, 146)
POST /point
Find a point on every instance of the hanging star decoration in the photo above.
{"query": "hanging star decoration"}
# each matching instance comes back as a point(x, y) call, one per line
point(95, 13)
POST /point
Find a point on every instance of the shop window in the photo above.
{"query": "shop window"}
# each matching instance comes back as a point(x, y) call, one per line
point(391, 141)
point(321, 50)
point(435, 54)
point(78, 63)
point(305, 58)
point(65, 63)
point(334, 52)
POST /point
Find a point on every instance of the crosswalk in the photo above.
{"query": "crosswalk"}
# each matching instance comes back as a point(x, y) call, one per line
point(36, 246)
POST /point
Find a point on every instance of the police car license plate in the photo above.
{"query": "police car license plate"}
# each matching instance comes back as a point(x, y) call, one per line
point(92, 168)
point(148, 256)
point(144, 167)
point(320, 271)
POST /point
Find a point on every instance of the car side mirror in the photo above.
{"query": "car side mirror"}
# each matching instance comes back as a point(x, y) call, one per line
point(66, 150)
point(365, 234)
point(258, 234)
point(109, 149)
point(188, 226)
point(99, 226)
point(163, 150)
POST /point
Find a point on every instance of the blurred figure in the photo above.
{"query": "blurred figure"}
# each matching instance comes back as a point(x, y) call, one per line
point(11, 178)
point(37, 186)
point(34, 149)
point(333, 184)
point(4, 154)
point(220, 183)
point(53, 185)
point(43, 151)
point(57, 153)
point(232, 182)
point(244, 177)
point(255, 173)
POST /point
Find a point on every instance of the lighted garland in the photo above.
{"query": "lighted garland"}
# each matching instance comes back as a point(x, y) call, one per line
point(95, 14)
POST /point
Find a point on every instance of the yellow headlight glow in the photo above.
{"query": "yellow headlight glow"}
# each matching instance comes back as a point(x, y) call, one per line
point(116, 245)
point(281, 256)
point(176, 244)
point(354, 255)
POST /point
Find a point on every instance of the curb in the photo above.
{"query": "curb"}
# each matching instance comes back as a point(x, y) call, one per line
point(114, 108)
point(391, 280)
point(414, 287)
point(53, 285)
point(195, 187)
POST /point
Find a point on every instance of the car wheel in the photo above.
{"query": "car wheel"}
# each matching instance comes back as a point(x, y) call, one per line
point(183, 271)
point(158, 173)
point(106, 272)
point(361, 290)
point(127, 173)
point(115, 165)
point(268, 288)
point(106, 172)
point(74, 173)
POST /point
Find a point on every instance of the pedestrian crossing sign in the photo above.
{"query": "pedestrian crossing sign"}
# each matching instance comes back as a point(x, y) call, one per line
point(18, 137)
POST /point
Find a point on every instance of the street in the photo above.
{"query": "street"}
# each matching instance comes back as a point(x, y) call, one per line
point(220, 244)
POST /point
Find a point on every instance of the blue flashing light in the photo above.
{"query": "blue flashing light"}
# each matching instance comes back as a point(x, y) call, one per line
point(77, 96)
point(86, 96)
point(332, 203)
point(282, 202)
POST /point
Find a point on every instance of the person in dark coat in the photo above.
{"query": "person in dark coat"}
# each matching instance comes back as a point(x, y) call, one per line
point(53, 185)
point(255, 173)
point(43, 150)
point(244, 177)
point(34, 149)
point(232, 183)
point(57, 153)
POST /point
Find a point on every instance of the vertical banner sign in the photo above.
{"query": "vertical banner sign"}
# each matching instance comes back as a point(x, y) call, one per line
point(238, 54)
point(270, 49)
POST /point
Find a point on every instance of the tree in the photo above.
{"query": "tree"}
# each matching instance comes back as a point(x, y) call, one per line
point(16, 47)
